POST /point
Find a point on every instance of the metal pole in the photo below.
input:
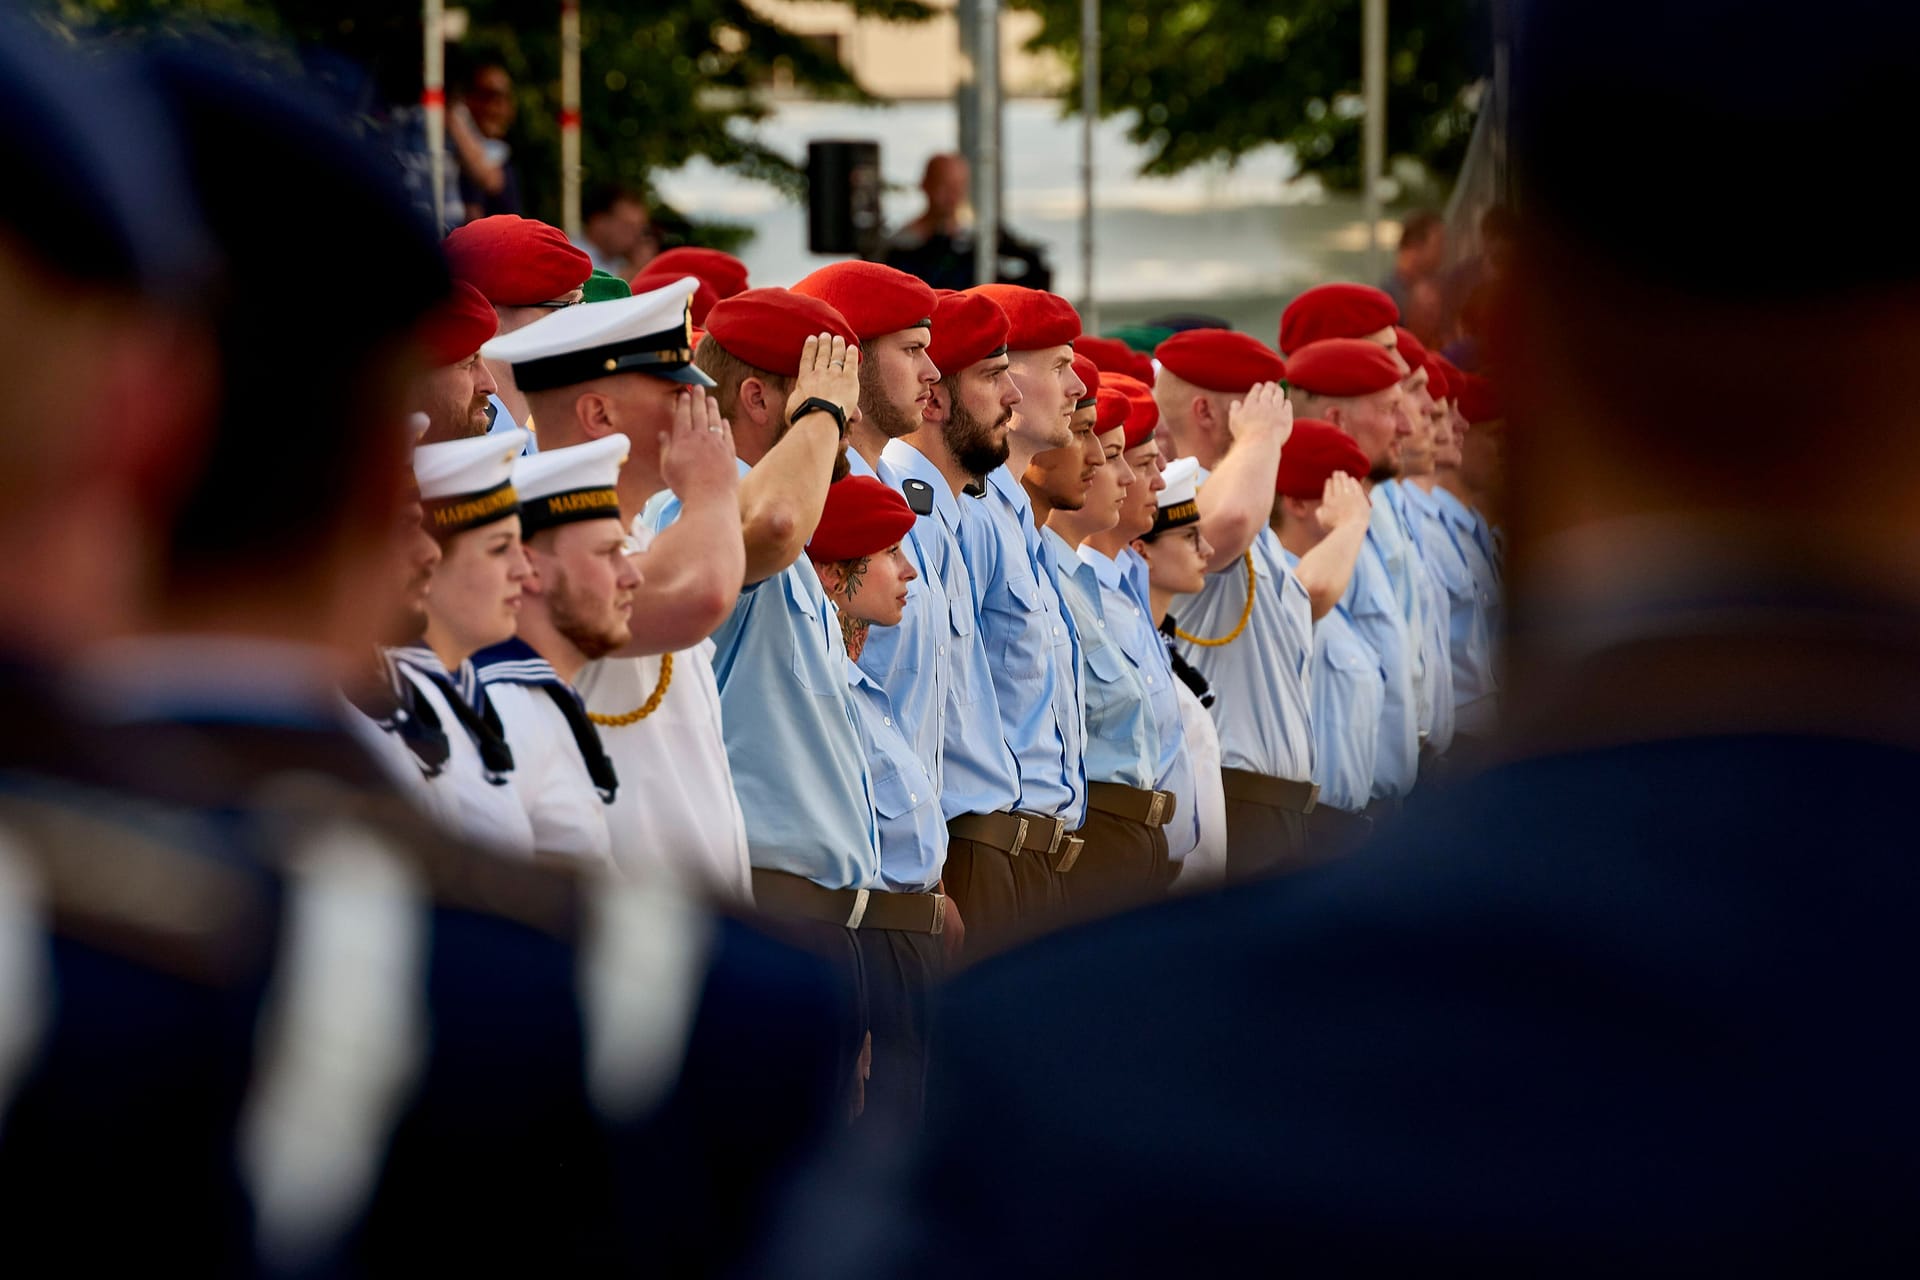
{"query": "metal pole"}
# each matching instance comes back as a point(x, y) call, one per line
point(570, 118)
point(1089, 113)
point(433, 101)
point(986, 165)
point(966, 94)
point(1373, 136)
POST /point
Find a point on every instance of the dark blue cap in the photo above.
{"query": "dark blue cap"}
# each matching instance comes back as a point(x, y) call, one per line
point(93, 186)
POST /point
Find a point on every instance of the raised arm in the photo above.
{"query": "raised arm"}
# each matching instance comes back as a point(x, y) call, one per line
point(691, 574)
point(1326, 570)
point(1238, 495)
point(782, 497)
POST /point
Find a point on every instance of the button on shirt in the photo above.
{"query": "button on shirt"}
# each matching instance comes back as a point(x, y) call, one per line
point(1349, 690)
point(1261, 679)
point(912, 660)
point(1433, 620)
point(978, 773)
point(801, 777)
point(1129, 613)
point(1375, 612)
point(1029, 638)
point(913, 831)
point(1123, 742)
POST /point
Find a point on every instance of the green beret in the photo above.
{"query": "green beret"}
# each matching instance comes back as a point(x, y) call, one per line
point(602, 286)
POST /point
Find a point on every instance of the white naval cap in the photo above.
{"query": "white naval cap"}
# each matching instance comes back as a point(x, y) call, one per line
point(579, 482)
point(647, 333)
point(464, 483)
point(1180, 500)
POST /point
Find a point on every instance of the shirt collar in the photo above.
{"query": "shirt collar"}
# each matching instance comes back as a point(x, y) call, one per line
point(1106, 569)
point(202, 677)
point(514, 662)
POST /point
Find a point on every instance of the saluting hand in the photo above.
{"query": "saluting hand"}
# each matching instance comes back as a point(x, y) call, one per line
point(696, 456)
point(830, 369)
point(1265, 409)
point(1342, 503)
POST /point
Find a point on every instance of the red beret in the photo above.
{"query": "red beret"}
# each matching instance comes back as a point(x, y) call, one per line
point(457, 327)
point(1343, 367)
point(1479, 399)
point(875, 299)
point(1143, 413)
point(1439, 386)
point(1313, 452)
point(967, 329)
point(704, 295)
point(1112, 412)
point(1411, 349)
point(1036, 319)
point(1115, 356)
point(726, 273)
point(768, 327)
point(1220, 360)
point(515, 261)
point(1089, 374)
point(863, 517)
point(1335, 311)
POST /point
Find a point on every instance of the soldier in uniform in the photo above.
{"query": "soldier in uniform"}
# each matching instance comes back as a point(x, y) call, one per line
point(962, 437)
point(1355, 385)
point(574, 609)
point(1321, 512)
point(1248, 632)
point(456, 393)
point(1026, 631)
point(655, 702)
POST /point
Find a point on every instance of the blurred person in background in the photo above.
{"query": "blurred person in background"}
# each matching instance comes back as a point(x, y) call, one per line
point(1415, 283)
point(477, 128)
point(616, 232)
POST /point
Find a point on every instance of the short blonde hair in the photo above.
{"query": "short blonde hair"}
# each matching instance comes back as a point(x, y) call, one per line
point(729, 371)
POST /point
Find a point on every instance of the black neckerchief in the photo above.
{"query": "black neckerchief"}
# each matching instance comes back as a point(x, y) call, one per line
point(396, 706)
point(496, 757)
point(1184, 669)
point(587, 738)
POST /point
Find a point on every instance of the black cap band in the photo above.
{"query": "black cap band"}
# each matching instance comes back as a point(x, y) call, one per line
point(1174, 517)
point(567, 508)
point(448, 516)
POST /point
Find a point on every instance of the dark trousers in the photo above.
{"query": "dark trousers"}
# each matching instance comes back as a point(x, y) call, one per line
point(901, 968)
point(1002, 899)
point(1124, 864)
point(1262, 839)
point(838, 946)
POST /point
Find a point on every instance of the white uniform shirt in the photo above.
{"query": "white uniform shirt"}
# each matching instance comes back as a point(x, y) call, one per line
point(463, 797)
point(1206, 863)
point(676, 813)
point(550, 776)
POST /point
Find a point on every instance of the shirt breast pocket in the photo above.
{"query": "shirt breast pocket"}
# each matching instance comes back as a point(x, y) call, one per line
point(897, 793)
point(1108, 691)
point(817, 663)
point(1017, 618)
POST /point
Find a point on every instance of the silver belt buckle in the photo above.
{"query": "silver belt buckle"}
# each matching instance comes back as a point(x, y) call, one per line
point(859, 912)
point(1019, 838)
point(1154, 807)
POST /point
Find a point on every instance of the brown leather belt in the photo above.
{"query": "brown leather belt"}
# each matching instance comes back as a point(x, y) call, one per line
point(1017, 832)
point(1275, 793)
point(1148, 808)
point(780, 894)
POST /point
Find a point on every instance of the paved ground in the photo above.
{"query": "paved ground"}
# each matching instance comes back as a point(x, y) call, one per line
point(1236, 243)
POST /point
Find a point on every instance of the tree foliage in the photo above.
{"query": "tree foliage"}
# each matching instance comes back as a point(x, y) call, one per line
point(1214, 79)
point(660, 81)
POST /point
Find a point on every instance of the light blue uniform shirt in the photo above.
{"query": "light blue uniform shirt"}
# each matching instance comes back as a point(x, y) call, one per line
point(1129, 613)
point(1408, 577)
point(1375, 612)
point(1468, 644)
point(786, 714)
point(1480, 690)
point(1349, 690)
point(977, 773)
point(1030, 642)
point(1123, 742)
point(503, 422)
point(912, 660)
point(1434, 621)
point(1261, 680)
point(913, 831)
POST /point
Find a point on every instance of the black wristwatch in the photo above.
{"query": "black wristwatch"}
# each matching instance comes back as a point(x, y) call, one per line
point(812, 403)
